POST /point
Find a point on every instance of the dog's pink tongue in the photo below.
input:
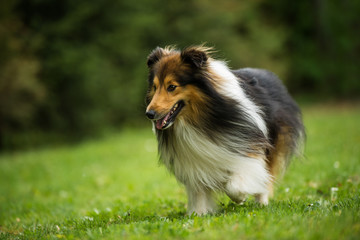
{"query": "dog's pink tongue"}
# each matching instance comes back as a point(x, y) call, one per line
point(161, 122)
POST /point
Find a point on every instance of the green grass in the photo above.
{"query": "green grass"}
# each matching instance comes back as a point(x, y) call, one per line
point(113, 188)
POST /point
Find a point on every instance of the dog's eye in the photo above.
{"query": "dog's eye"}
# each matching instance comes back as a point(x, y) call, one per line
point(171, 88)
point(154, 88)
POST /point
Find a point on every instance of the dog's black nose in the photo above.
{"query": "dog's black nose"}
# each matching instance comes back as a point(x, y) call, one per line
point(150, 114)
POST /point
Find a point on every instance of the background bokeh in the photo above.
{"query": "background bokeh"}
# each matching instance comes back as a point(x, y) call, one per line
point(71, 69)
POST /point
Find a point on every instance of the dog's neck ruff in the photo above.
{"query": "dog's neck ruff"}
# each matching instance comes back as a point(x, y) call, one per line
point(199, 163)
point(229, 86)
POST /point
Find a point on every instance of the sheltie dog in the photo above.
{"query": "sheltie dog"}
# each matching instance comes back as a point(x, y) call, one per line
point(220, 130)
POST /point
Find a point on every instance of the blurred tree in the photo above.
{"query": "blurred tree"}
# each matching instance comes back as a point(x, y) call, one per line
point(75, 67)
point(323, 44)
point(21, 93)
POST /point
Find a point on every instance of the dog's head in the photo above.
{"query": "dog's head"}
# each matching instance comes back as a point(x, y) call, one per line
point(175, 83)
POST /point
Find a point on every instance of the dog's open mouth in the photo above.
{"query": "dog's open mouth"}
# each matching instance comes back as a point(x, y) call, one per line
point(169, 118)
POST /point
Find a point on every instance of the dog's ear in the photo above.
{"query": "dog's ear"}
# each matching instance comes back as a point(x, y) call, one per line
point(195, 56)
point(155, 56)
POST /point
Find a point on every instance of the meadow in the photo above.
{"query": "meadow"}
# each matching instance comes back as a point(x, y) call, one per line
point(114, 188)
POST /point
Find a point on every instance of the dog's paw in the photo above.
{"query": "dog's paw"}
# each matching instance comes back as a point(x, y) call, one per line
point(201, 211)
point(262, 198)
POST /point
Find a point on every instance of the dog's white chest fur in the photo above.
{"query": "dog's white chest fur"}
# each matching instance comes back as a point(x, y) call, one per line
point(202, 165)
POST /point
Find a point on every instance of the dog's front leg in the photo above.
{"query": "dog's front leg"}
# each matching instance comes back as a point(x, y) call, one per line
point(200, 201)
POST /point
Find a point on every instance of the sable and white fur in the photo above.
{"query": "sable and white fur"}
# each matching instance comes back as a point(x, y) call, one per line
point(218, 129)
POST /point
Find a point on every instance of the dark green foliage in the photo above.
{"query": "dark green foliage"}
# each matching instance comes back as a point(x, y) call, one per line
point(71, 68)
point(323, 45)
